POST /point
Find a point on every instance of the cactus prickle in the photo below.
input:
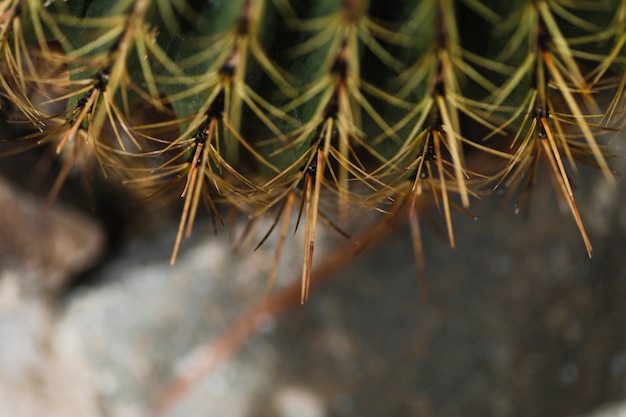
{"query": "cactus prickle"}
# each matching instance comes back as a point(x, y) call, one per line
point(289, 105)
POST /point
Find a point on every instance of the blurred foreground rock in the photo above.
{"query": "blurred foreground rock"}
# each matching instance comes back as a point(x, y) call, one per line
point(42, 372)
point(48, 247)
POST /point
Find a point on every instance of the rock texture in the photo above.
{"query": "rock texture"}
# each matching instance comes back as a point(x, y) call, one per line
point(42, 372)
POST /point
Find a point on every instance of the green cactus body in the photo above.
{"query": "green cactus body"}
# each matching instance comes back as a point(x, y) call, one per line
point(269, 103)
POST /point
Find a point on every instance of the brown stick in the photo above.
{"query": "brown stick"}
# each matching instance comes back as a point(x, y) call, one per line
point(218, 352)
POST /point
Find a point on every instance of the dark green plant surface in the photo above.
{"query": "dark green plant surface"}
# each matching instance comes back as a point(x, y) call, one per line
point(318, 110)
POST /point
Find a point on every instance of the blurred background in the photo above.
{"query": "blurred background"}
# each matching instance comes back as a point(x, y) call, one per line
point(517, 321)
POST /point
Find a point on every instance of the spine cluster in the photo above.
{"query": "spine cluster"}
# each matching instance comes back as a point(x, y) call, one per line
point(294, 105)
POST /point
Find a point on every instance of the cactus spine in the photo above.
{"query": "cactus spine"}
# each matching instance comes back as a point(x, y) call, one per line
point(279, 104)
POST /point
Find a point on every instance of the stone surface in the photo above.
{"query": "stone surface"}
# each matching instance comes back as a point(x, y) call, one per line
point(42, 368)
point(53, 245)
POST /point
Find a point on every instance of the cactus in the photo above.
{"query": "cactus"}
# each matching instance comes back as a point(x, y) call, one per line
point(273, 105)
